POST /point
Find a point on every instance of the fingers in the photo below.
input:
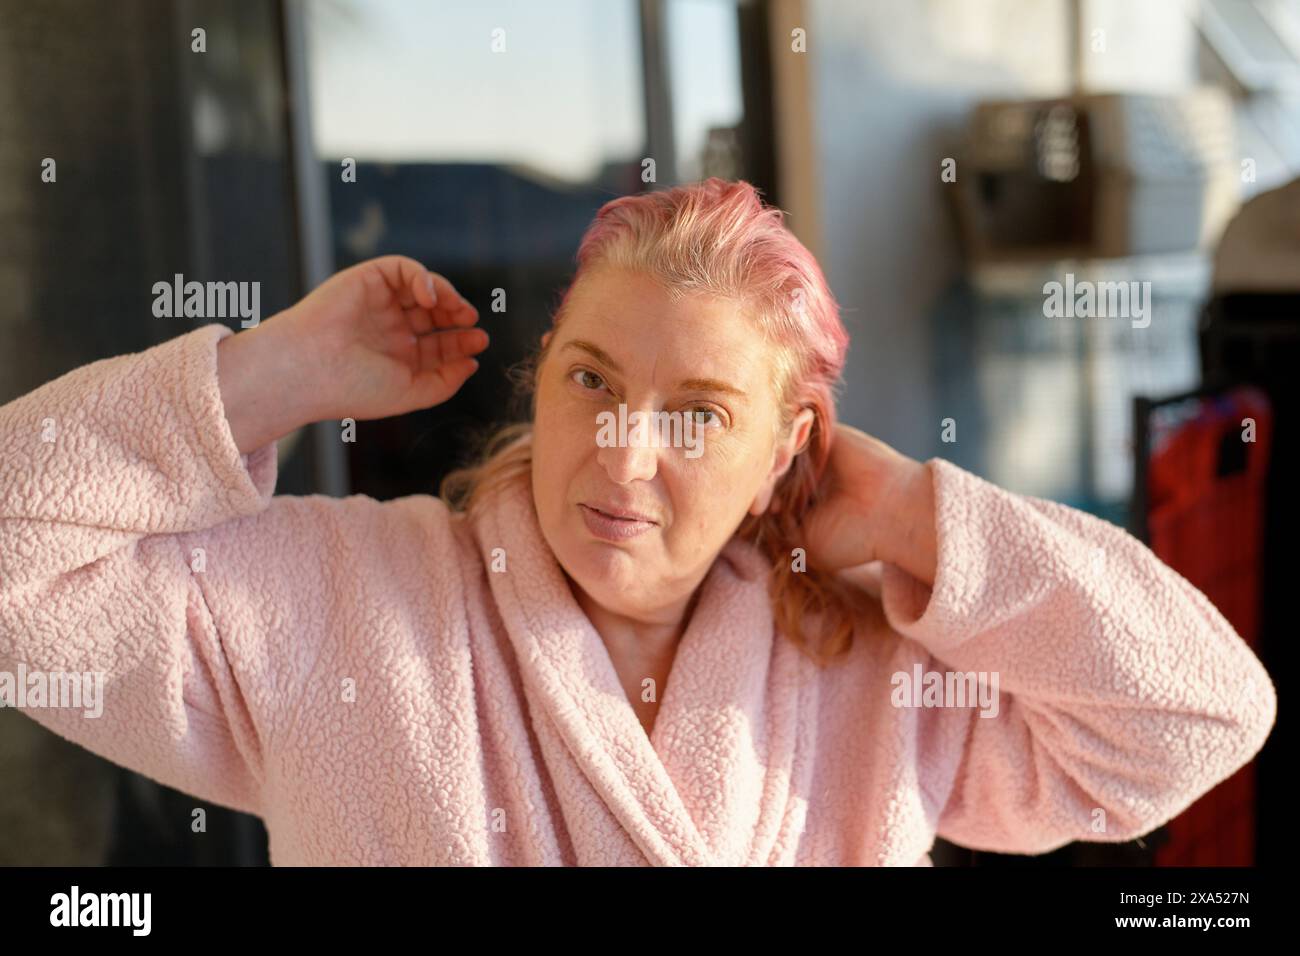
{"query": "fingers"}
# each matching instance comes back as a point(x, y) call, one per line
point(419, 320)
point(443, 348)
point(415, 287)
point(452, 307)
point(400, 278)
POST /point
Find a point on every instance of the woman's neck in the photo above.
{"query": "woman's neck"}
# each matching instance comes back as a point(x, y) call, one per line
point(646, 638)
point(640, 648)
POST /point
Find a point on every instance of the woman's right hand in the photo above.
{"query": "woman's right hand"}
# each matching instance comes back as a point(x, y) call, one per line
point(382, 338)
point(388, 337)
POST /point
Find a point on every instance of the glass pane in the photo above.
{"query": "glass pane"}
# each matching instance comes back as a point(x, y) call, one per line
point(554, 88)
point(708, 106)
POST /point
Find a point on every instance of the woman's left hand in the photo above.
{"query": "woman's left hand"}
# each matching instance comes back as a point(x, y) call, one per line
point(875, 504)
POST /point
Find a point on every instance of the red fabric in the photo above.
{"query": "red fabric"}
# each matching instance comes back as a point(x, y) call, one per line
point(1209, 528)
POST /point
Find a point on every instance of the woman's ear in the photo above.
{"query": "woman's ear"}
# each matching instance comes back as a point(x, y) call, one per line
point(802, 428)
point(795, 441)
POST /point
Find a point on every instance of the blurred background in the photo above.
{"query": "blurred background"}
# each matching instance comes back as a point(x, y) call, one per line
point(946, 160)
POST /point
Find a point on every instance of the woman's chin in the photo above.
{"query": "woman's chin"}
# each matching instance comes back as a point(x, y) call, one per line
point(604, 568)
point(605, 561)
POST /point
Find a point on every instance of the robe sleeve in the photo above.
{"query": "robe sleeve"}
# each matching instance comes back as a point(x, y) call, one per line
point(138, 544)
point(1124, 695)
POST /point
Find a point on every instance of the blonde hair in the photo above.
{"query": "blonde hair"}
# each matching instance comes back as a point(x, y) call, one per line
point(718, 238)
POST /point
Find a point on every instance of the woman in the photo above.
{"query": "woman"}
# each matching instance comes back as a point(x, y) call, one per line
point(594, 651)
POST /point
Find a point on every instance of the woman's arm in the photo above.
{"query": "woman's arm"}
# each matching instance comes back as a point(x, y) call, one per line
point(267, 389)
point(1124, 694)
point(140, 544)
point(102, 473)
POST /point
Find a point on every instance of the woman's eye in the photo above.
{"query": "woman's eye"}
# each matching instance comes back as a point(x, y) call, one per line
point(587, 382)
point(699, 410)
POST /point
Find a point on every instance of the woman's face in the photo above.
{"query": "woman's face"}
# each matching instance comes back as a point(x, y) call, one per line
point(622, 341)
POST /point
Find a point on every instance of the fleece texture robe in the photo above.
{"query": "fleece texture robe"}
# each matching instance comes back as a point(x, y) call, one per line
point(368, 679)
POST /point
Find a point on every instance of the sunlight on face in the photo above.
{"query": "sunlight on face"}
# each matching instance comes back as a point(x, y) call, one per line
point(655, 356)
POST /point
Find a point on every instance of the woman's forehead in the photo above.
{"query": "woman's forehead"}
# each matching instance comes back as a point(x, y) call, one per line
point(632, 324)
point(634, 310)
point(661, 347)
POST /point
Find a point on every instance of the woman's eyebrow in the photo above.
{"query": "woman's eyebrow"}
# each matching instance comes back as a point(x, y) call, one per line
point(596, 351)
point(708, 385)
point(686, 385)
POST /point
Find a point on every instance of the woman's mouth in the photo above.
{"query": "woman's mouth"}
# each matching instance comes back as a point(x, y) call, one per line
point(610, 528)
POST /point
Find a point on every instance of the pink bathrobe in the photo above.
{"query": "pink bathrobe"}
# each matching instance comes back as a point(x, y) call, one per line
point(356, 672)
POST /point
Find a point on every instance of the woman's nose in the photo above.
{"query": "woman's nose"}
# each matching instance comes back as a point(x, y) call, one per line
point(636, 458)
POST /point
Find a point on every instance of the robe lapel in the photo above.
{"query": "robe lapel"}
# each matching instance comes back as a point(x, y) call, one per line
point(730, 716)
point(712, 784)
point(576, 700)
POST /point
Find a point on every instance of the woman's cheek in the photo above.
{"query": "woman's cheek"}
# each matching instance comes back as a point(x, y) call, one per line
point(576, 432)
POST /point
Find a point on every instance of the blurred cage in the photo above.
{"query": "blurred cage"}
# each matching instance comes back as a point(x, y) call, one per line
point(1097, 176)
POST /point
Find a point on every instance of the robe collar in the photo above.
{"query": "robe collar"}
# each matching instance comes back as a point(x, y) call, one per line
point(711, 785)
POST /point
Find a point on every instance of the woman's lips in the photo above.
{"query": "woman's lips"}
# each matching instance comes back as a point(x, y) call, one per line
point(608, 528)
